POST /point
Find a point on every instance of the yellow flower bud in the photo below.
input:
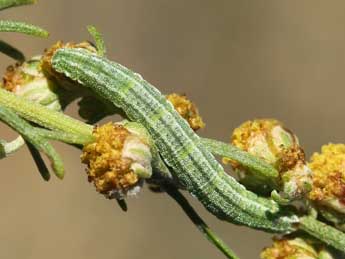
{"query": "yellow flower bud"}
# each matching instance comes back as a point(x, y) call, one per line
point(46, 64)
point(328, 168)
point(118, 161)
point(27, 80)
point(294, 248)
point(270, 141)
point(187, 110)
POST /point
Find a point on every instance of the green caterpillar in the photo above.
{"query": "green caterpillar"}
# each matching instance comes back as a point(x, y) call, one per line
point(180, 147)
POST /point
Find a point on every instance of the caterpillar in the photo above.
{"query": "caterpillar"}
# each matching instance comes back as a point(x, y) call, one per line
point(181, 149)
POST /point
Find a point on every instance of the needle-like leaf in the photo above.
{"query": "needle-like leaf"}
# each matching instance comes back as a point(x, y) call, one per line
point(21, 27)
point(11, 51)
point(244, 158)
point(42, 167)
point(33, 136)
point(12, 3)
point(98, 38)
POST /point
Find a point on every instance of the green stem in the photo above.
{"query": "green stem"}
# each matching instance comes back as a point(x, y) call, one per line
point(323, 232)
point(199, 223)
point(43, 116)
point(244, 158)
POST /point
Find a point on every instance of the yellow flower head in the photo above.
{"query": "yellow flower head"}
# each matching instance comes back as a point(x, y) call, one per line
point(294, 248)
point(270, 141)
point(329, 176)
point(27, 80)
point(46, 62)
point(117, 160)
point(187, 110)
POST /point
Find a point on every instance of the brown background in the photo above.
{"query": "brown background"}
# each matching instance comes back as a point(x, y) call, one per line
point(237, 60)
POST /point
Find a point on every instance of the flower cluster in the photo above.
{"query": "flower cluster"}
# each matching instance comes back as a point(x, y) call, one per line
point(28, 80)
point(329, 177)
point(118, 161)
point(328, 192)
point(269, 140)
point(49, 53)
point(295, 248)
point(187, 110)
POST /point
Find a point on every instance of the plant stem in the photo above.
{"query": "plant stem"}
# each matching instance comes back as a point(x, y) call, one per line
point(244, 158)
point(43, 116)
point(323, 232)
point(199, 223)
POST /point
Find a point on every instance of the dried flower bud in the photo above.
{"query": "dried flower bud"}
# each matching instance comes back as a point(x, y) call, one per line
point(187, 110)
point(328, 190)
point(47, 68)
point(270, 141)
point(28, 80)
point(294, 248)
point(91, 107)
point(118, 160)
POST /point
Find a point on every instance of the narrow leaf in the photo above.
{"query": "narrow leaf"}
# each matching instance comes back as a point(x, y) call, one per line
point(53, 156)
point(33, 136)
point(41, 166)
point(323, 232)
point(98, 38)
point(21, 27)
point(122, 204)
point(242, 157)
point(11, 51)
point(12, 3)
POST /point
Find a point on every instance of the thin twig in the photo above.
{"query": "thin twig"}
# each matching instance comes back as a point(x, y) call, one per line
point(198, 221)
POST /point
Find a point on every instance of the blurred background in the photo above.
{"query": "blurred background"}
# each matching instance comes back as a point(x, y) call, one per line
point(237, 60)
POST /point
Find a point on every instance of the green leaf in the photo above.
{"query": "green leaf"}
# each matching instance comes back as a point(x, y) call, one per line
point(42, 167)
point(122, 204)
point(98, 38)
point(323, 232)
point(12, 52)
point(33, 136)
point(43, 116)
point(244, 158)
point(12, 3)
point(21, 27)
